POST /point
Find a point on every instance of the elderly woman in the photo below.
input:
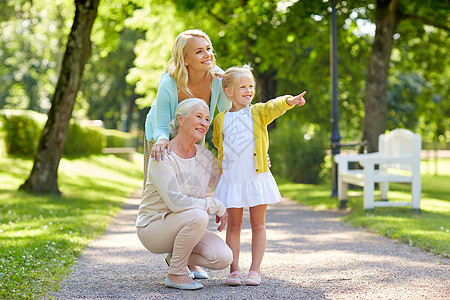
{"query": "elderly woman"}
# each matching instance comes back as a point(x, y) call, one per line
point(191, 73)
point(173, 215)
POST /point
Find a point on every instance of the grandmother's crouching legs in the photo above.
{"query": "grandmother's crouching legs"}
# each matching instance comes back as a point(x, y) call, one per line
point(178, 234)
point(194, 223)
point(211, 252)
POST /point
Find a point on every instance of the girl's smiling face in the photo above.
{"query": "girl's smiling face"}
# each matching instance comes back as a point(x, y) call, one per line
point(242, 94)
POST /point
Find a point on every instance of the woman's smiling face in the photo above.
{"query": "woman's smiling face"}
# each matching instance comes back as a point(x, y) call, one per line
point(199, 55)
point(196, 124)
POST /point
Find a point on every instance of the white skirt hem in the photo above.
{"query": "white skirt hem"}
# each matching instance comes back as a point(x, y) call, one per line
point(250, 193)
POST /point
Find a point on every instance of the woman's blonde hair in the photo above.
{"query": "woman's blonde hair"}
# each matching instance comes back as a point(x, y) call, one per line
point(183, 109)
point(176, 67)
point(232, 76)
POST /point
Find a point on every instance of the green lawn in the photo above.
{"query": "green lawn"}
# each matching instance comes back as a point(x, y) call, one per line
point(428, 229)
point(42, 236)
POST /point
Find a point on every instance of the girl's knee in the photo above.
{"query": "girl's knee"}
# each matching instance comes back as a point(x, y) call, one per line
point(234, 225)
point(257, 227)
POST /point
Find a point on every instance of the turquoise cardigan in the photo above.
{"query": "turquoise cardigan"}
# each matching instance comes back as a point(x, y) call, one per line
point(163, 108)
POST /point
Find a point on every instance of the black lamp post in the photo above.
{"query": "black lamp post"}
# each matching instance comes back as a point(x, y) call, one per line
point(335, 137)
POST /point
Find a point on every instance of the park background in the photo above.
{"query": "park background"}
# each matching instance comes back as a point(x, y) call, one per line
point(288, 45)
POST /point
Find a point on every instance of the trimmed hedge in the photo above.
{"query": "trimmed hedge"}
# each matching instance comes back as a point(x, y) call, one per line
point(21, 131)
point(116, 138)
point(83, 141)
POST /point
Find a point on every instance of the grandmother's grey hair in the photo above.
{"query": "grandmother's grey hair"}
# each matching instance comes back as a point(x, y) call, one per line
point(183, 109)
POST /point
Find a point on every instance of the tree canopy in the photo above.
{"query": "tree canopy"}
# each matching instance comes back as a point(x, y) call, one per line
point(287, 43)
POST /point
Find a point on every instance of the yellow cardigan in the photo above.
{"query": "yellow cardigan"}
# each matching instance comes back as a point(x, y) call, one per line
point(263, 114)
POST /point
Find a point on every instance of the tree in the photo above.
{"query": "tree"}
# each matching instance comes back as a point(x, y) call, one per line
point(271, 35)
point(31, 43)
point(153, 51)
point(43, 177)
point(422, 68)
point(285, 44)
point(389, 13)
point(104, 87)
point(105, 91)
point(6, 10)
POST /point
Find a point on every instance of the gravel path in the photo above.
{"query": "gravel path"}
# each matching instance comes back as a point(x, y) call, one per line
point(310, 255)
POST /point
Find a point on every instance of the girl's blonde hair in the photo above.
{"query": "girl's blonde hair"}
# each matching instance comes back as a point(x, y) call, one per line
point(176, 67)
point(232, 76)
point(183, 109)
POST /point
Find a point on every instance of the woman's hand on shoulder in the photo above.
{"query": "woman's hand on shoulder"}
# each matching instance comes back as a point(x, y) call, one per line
point(222, 220)
point(157, 152)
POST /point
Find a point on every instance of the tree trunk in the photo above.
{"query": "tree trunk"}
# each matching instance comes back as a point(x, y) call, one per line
point(43, 177)
point(375, 102)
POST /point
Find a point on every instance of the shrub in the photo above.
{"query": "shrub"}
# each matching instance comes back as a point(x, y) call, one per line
point(297, 152)
point(116, 138)
point(83, 141)
point(21, 131)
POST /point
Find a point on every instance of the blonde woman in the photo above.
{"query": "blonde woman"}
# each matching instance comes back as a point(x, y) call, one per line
point(191, 72)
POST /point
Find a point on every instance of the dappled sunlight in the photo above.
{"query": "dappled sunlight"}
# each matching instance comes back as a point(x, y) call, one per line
point(386, 81)
point(303, 240)
point(430, 167)
point(13, 172)
point(436, 205)
point(317, 196)
point(105, 164)
point(41, 235)
point(401, 223)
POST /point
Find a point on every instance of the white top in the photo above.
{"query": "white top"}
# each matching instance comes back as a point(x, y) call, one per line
point(240, 185)
point(176, 184)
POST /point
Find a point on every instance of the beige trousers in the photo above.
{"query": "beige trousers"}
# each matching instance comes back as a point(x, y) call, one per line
point(184, 234)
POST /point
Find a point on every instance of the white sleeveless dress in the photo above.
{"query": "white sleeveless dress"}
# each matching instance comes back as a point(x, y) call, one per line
point(240, 185)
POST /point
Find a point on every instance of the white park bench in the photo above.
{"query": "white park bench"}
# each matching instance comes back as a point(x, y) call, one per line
point(398, 160)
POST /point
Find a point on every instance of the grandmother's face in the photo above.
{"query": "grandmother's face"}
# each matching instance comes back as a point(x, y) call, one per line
point(196, 123)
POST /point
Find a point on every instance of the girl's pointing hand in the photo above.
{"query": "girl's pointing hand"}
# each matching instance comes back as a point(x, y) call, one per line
point(299, 100)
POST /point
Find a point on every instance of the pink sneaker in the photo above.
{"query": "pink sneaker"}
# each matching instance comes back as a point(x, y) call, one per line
point(235, 279)
point(253, 279)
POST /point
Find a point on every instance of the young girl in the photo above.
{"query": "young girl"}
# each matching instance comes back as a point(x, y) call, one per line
point(240, 135)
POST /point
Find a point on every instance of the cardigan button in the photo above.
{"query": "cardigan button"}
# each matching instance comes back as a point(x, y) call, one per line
point(256, 170)
point(254, 154)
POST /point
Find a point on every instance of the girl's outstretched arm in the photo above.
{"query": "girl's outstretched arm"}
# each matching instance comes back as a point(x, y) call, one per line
point(299, 100)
